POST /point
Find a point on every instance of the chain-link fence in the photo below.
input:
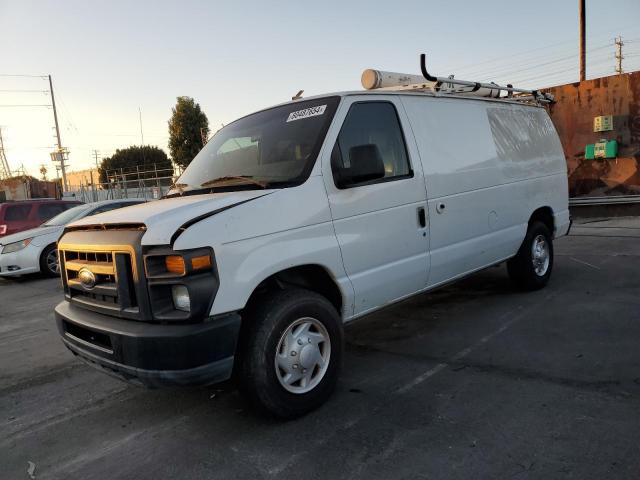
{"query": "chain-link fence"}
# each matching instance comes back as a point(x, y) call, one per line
point(147, 184)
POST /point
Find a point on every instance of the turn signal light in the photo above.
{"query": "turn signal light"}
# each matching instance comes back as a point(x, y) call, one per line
point(201, 263)
point(175, 264)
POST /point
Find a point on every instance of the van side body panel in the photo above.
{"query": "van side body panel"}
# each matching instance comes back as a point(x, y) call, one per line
point(482, 183)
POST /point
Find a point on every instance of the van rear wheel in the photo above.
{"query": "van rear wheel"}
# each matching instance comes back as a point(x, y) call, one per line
point(531, 268)
point(291, 352)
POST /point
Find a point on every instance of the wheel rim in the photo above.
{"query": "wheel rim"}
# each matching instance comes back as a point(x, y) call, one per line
point(302, 355)
point(52, 261)
point(540, 255)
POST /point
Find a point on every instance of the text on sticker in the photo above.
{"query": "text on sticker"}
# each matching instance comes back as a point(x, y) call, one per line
point(306, 113)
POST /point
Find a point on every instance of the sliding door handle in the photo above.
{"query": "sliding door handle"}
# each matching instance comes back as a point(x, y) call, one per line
point(422, 217)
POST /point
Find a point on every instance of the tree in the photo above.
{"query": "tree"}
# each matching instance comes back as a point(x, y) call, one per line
point(188, 127)
point(146, 158)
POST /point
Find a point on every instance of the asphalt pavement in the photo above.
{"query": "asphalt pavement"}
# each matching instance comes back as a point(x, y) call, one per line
point(475, 380)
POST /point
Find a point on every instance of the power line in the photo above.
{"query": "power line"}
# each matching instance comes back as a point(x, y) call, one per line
point(18, 90)
point(22, 75)
point(562, 70)
point(555, 74)
point(26, 105)
point(527, 65)
point(70, 122)
point(599, 34)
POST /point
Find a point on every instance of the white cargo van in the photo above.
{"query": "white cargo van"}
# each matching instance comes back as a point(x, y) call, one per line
point(298, 218)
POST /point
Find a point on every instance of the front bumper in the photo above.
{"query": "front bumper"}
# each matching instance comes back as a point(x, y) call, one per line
point(151, 354)
point(21, 262)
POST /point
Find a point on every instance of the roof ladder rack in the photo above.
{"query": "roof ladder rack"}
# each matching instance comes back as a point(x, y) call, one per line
point(376, 79)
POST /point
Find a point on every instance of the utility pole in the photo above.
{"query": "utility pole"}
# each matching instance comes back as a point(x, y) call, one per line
point(5, 171)
point(144, 160)
point(583, 42)
point(141, 134)
point(619, 56)
point(55, 113)
point(96, 153)
point(61, 154)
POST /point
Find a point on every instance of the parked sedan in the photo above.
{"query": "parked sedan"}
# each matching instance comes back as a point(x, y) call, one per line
point(35, 250)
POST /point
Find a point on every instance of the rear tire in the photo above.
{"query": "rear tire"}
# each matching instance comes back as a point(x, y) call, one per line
point(531, 268)
point(48, 267)
point(290, 353)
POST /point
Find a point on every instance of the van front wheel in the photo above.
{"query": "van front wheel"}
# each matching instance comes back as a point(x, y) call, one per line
point(291, 352)
point(531, 268)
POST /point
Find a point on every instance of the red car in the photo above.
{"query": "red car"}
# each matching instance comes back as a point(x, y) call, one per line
point(23, 215)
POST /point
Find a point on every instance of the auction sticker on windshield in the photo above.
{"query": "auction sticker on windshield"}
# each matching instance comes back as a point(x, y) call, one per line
point(306, 113)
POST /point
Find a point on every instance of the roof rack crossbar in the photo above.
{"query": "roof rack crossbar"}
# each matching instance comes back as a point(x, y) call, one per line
point(394, 81)
point(535, 95)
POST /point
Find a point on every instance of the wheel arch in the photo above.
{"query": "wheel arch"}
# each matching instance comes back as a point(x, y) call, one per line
point(313, 277)
point(544, 215)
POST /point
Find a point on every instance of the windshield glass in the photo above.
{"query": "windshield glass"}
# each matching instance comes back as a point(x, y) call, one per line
point(270, 149)
point(67, 216)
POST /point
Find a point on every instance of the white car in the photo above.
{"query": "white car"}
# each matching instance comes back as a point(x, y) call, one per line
point(34, 250)
point(298, 218)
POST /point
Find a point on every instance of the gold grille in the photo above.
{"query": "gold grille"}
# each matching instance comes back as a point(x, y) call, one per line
point(114, 289)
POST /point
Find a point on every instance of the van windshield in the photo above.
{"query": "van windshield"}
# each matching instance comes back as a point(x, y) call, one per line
point(275, 148)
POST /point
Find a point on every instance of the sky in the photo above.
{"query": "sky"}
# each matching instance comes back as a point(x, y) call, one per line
point(114, 62)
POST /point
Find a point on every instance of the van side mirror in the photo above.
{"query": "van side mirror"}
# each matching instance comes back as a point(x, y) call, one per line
point(365, 164)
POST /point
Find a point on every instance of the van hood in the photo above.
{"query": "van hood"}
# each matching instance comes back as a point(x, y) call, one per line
point(164, 219)
point(31, 233)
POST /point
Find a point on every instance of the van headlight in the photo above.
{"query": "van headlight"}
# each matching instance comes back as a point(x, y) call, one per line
point(181, 300)
point(16, 246)
point(181, 283)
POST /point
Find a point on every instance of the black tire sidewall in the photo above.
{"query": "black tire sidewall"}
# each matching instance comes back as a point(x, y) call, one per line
point(521, 267)
point(259, 375)
point(44, 269)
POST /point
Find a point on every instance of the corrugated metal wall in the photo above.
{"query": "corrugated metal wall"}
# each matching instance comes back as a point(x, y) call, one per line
point(573, 114)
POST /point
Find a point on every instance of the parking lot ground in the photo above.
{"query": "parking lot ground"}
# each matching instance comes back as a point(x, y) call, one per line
point(475, 380)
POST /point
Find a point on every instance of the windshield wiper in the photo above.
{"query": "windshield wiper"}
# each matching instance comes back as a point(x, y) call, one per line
point(213, 185)
point(244, 179)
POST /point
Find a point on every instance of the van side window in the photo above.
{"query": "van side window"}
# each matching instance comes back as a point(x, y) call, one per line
point(47, 211)
point(17, 213)
point(370, 147)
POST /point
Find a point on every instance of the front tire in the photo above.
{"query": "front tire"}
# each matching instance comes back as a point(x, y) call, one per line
point(49, 263)
point(291, 352)
point(531, 268)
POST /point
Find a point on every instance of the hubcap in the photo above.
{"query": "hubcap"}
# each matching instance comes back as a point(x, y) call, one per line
point(540, 255)
point(302, 355)
point(52, 262)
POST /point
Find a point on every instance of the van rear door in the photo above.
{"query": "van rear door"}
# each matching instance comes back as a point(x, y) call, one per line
point(377, 198)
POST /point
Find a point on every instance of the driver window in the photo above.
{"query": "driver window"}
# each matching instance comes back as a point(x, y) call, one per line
point(370, 128)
